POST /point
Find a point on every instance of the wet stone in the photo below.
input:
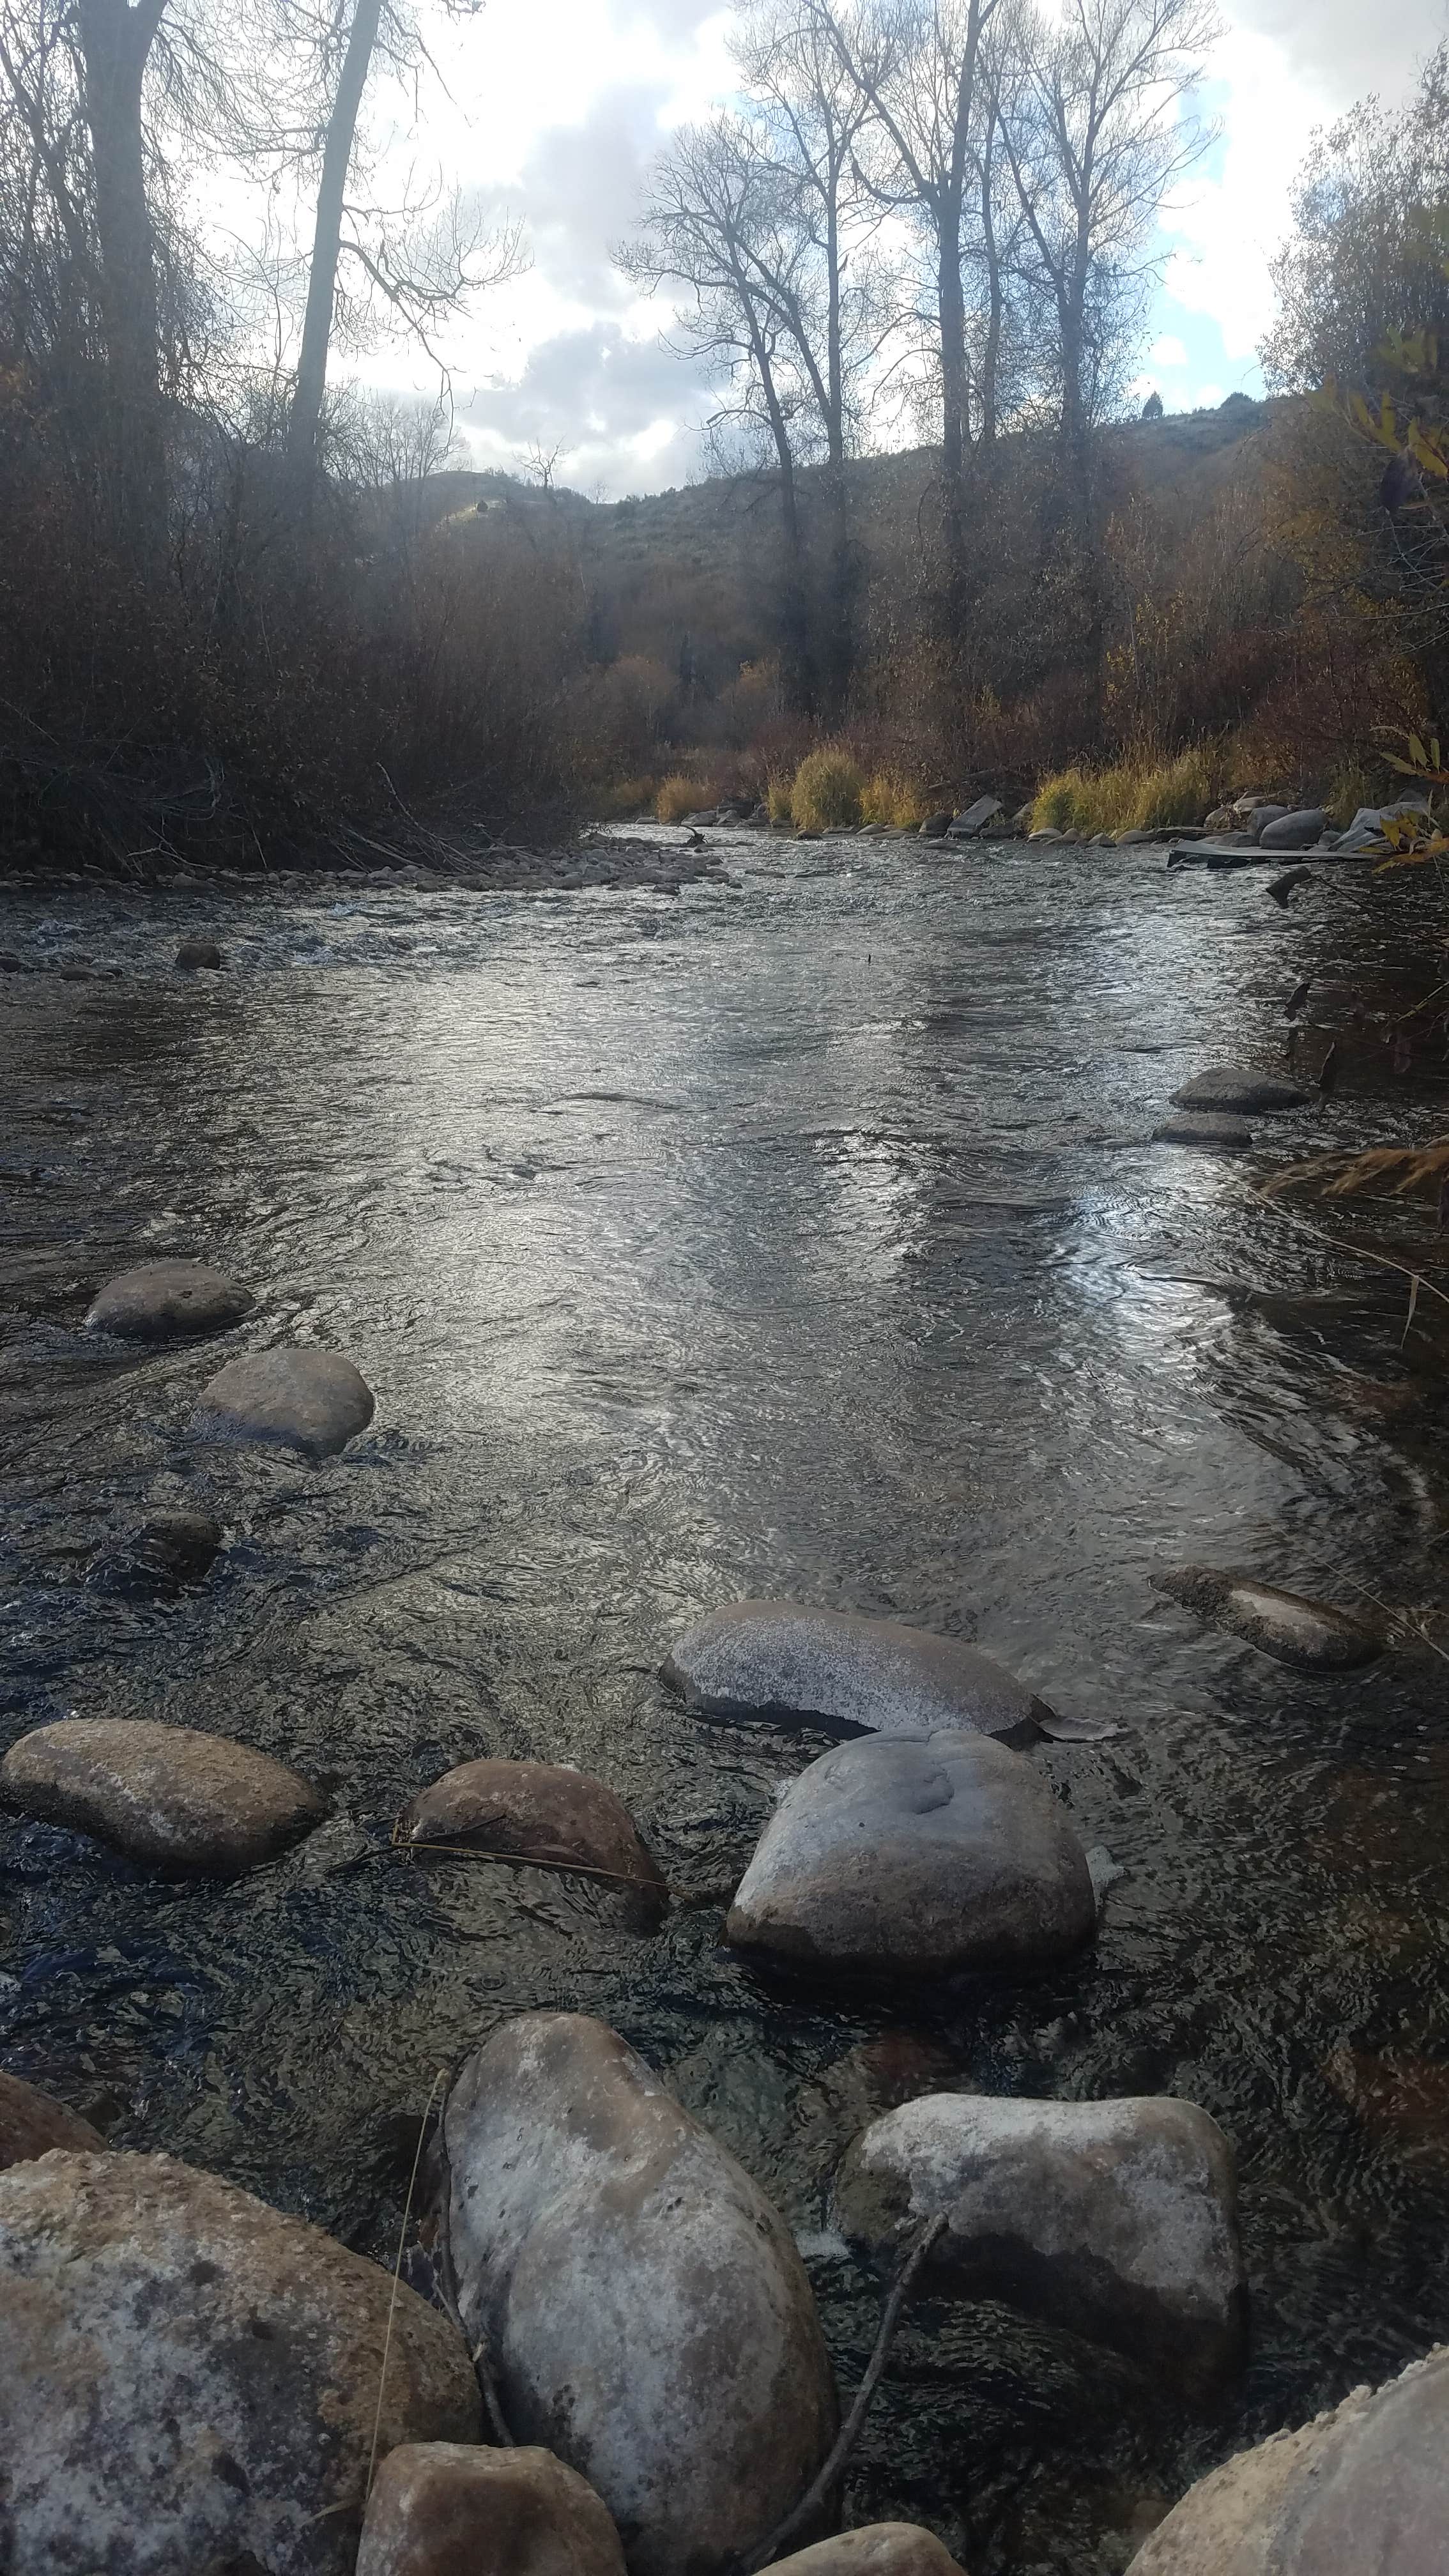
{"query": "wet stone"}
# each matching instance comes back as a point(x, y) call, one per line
point(874, 2549)
point(191, 2380)
point(916, 1857)
point(1116, 2220)
point(446, 2509)
point(161, 1300)
point(169, 1796)
point(532, 1810)
point(197, 953)
point(167, 1552)
point(1311, 1636)
point(1217, 1135)
point(31, 2124)
point(1238, 1088)
point(312, 1401)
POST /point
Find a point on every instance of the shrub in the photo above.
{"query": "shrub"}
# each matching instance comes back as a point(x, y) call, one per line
point(1054, 808)
point(626, 798)
point(826, 793)
point(678, 795)
point(887, 797)
point(1135, 794)
point(777, 797)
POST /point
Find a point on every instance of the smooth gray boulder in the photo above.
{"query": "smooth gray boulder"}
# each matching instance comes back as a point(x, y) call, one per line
point(1237, 1088)
point(31, 2124)
point(191, 2380)
point(916, 1856)
point(935, 826)
point(1362, 2491)
point(314, 1401)
point(1311, 1636)
point(532, 1810)
point(167, 1795)
point(1260, 816)
point(1221, 1135)
point(873, 2549)
point(1296, 831)
point(451, 2509)
point(161, 1300)
point(643, 2305)
point(1116, 2220)
point(786, 1659)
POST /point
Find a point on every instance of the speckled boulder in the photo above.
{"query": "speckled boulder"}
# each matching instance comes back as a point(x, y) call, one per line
point(537, 1810)
point(313, 1401)
point(1310, 1636)
point(191, 2379)
point(1363, 2491)
point(643, 2305)
point(31, 2124)
point(167, 1795)
point(1116, 2219)
point(785, 1659)
point(876, 2549)
point(449, 2509)
point(916, 1856)
point(1237, 1089)
point(161, 1300)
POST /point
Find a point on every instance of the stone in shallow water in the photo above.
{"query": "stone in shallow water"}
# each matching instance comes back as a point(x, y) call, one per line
point(784, 1658)
point(1117, 2220)
point(169, 1550)
point(162, 1299)
point(31, 2124)
point(534, 1810)
point(167, 1795)
point(875, 2549)
point(1236, 1087)
point(196, 953)
point(314, 1401)
point(443, 2509)
point(1310, 1635)
point(1363, 2491)
point(1221, 1135)
point(191, 2379)
point(645, 2309)
point(916, 1856)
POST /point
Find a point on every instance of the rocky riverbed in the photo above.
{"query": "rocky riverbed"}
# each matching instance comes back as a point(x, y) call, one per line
point(798, 1238)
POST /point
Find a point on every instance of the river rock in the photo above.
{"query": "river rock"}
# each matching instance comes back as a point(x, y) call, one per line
point(1219, 1135)
point(1237, 1087)
point(935, 826)
point(31, 2123)
point(196, 953)
point(975, 819)
point(166, 1552)
point(875, 2549)
point(1310, 1635)
point(916, 1856)
point(191, 2379)
point(1365, 834)
point(533, 1810)
point(315, 1401)
point(1116, 2220)
point(1296, 831)
point(785, 1659)
point(645, 2311)
point(167, 1795)
point(1362, 2491)
point(1260, 816)
point(451, 2509)
point(163, 1299)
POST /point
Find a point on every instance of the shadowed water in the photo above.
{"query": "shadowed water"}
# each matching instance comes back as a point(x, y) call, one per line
point(799, 1239)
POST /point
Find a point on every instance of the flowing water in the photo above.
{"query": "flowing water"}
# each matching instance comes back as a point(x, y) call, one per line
point(802, 1238)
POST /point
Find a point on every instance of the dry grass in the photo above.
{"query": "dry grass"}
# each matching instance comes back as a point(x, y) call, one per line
point(826, 793)
point(889, 797)
point(679, 795)
point(1134, 795)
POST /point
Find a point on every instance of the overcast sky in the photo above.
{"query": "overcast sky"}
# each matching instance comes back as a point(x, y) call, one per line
point(556, 111)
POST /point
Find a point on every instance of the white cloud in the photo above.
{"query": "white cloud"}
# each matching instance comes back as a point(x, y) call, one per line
point(1167, 351)
point(1206, 398)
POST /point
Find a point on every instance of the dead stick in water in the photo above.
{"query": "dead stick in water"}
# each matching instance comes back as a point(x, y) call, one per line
point(850, 2431)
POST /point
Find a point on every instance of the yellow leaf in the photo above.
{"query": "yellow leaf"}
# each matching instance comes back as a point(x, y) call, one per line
point(1417, 753)
point(1407, 859)
point(1428, 452)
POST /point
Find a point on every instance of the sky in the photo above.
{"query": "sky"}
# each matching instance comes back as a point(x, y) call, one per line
point(555, 114)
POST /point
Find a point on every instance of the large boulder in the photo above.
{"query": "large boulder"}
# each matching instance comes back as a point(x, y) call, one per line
point(452, 2509)
point(1238, 1089)
point(167, 1795)
point(191, 2380)
point(916, 1856)
point(31, 2124)
point(160, 1300)
point(1311, 1636)
point(1363, 2491)
point(1296, 831)
point(1116, 2219)
point(875, 2549)
point(642, 2304)
point(785, 1659)
point(532, 1811)
point(314, 1401)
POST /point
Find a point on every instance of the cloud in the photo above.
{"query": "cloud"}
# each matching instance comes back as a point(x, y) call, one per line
point(1167, 351)
point(622, 411)
point(1341, 49)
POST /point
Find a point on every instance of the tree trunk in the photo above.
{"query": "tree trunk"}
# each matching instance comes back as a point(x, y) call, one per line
point(1081, 504)
point(115, 40)
point(327, 243)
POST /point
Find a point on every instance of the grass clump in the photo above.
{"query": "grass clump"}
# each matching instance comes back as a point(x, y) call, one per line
point(777, 798)
point(826, 793)
point(887, 797)
point(678, 795)
point(625, 799)
point(1132, 795)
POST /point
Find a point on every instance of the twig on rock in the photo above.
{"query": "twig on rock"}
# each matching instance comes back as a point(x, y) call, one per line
point(440, 2078)
point(850, 2431)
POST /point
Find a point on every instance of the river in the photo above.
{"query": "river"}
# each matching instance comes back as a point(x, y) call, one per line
point(802, 1237)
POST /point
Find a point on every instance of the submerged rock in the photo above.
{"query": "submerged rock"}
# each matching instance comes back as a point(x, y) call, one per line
point(1221, 1135)
point(1310, 1635)
point(916, 1856)
point(166, 1552)
point(1363, 2491)
point(191, 2380)
point(314, 1401)
point(875, 2549)
point(1237, 1087)
point(31, 2124)
point(1116, 2220)
point(449, 2509)
point(196, 953)
point(533, 1810)
point(167, 1795)
point(644, 2308)
point(785, 1659)
point(163, 1299)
